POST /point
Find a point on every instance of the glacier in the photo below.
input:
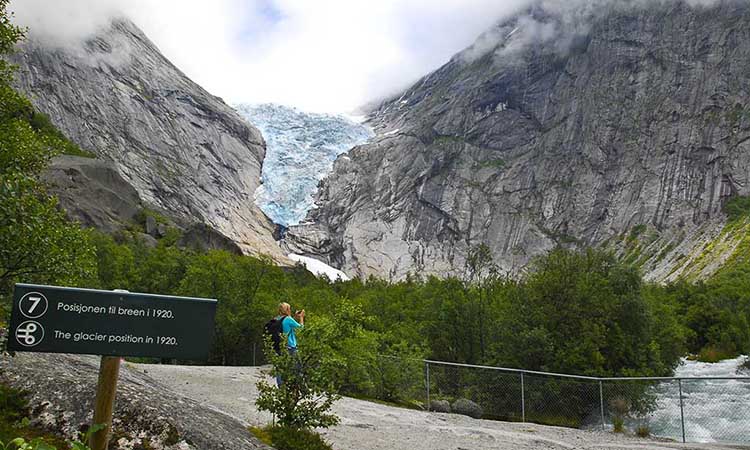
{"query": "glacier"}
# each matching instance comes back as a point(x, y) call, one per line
point(301, 149)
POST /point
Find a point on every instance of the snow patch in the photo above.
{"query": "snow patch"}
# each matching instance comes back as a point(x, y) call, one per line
point(319, 268)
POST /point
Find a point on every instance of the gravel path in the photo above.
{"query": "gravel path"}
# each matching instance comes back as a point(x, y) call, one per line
point(371, 426)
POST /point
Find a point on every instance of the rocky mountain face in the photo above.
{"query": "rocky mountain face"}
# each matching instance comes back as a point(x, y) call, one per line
point(612, 125)
point(183, 150)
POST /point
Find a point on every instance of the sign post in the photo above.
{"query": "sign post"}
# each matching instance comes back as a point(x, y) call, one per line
point(111, 324)
point(105, 401)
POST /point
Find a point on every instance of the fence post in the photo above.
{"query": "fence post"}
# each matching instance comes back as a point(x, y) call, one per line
point(523, 401)
point(427, 380)
point(601, 404)
point(682, 411)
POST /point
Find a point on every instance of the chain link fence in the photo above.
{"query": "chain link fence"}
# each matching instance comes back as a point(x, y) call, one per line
point(684, 409)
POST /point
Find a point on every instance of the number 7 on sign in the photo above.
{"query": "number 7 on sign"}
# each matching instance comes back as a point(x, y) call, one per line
point(35, 301)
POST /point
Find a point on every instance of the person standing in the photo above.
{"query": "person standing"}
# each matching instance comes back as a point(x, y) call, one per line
point(289, 324)
point(288, 327)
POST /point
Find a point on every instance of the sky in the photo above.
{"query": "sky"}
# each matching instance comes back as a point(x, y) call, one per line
point(317, 55)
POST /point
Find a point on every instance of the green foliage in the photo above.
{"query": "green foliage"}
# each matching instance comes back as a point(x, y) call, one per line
point(737, 207)
point(643, 431)
point(15, 429)
point(307, 393)
point(9, 36)
point(581, 313)
point(286, 438)
point(43, 126)
point(37, 243)
point(636, 231)
point(618, 424)
point(494, 164)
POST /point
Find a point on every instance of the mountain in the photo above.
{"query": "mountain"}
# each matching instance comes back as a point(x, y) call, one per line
point(301, 148)
point(623, 125)
point(184, 151)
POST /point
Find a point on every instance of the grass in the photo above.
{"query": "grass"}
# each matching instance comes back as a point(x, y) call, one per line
point(43, 125)
point(15, 417)
point(284, 438)
point(737, 207)
point(493, 164)
point(636, 231)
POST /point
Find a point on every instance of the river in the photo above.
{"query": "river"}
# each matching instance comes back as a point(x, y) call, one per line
point(715, 410)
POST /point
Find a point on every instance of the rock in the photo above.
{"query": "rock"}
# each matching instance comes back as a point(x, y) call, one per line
point(147, 415)
point(161, 230)
point(615, 121)
point(151, 226)
point(202, 238)
point(183, 150)
point(442, 406)
point(148, 240)
point(92, 192)
point(467, 408)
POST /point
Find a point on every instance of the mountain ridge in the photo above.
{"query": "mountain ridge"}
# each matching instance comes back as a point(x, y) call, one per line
point(642, 122)
point(184, 150)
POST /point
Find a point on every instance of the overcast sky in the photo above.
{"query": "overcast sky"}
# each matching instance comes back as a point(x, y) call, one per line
point(318, 55)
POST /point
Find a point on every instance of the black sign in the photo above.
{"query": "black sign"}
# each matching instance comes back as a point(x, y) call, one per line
point(66, 320)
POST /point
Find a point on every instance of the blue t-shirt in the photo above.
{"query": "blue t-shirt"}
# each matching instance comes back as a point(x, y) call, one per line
point(287, 327)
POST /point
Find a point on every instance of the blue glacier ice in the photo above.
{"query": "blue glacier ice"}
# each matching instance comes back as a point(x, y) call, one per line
point(301, 148)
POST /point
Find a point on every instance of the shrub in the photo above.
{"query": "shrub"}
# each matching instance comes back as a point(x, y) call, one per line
point(737, 207)
point(287, 438)
point(305, 397)
point(643, 431)
point(713, 354)
point(618, 424)
point(620, 409)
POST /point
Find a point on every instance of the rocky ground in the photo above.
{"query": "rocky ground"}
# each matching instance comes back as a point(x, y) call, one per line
point(147, 414)
point(209, 408)
point(372, 426)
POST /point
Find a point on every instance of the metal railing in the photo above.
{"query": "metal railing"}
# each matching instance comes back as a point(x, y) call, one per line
point(688, 409)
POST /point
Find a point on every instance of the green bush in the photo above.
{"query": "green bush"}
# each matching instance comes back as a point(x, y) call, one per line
point(305, 398)
point(737, 207)
point(15, 429)
point(285, 438)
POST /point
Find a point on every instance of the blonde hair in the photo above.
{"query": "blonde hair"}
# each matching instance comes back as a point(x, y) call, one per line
point(285, 309)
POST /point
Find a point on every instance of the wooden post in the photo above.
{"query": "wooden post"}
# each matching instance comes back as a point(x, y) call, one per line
point(105, 401)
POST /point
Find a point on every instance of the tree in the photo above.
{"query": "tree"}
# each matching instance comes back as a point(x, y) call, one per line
point(37, 243)
point(304, 399)
point(480, 275)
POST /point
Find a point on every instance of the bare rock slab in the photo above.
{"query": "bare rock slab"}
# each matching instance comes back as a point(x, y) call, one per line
point(147, 415)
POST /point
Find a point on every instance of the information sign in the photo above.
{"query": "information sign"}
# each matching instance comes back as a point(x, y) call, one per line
point(70, 320)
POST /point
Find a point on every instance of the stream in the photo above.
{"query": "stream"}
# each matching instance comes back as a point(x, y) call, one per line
point(714, 410)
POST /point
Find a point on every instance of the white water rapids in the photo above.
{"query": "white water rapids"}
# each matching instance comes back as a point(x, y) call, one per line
point(715, 410)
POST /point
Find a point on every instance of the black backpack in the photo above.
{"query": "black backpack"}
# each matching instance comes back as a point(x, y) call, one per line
point(275, 330)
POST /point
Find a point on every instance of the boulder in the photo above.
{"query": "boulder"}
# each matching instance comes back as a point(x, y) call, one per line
point(467, 408)
point(442, 406)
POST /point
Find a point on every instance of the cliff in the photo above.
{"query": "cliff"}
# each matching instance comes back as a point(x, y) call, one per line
point(183, 150)
point(618, 126)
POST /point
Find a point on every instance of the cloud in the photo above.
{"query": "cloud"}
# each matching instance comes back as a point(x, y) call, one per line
point(555, 25)
point(321, 55)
